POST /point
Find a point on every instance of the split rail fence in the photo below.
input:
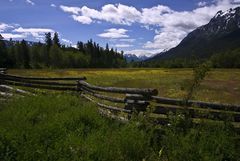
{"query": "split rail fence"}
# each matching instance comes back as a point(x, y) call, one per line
point(113, 101)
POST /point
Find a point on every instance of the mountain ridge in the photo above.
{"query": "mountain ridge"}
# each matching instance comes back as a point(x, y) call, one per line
point(220, 34)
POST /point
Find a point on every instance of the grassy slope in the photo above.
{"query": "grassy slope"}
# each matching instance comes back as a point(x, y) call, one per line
point(219, 86)
point(66, 127)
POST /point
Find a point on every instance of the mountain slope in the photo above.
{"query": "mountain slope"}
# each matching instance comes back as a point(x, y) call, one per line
point(135, 58)
point(221, 34)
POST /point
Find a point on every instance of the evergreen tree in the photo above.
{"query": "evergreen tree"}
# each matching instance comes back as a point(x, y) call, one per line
point(56, 40)
point(48, 40)
point(55, 57)
point(35, 55)
point(25, 54)
point(3, 54)
point(11, 55)
point(80, 46)
point(44, 56)
point(52, 54)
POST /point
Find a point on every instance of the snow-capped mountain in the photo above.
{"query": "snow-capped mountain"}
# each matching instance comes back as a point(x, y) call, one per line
point(221, 34)
point(135, 58)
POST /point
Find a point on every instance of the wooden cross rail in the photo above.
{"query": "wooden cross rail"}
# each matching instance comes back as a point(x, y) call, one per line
point(20, 80)
point(43, 78)
point(147, 91)
point(40, 82)
point(199, 104)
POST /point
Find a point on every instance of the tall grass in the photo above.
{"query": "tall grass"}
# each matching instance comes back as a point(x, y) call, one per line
point(66, 127)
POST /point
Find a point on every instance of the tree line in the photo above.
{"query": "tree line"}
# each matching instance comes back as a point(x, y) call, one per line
point(52, 54)
point(226, 59)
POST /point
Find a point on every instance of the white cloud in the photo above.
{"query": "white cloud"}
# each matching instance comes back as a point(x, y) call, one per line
point(53, 5)
point(4, 27)
point(117, 14)
point(170, 26)
point(154, 15)
point(30, 2)
point(73, 10)
point(123, 45)
point(142, 52)
point(114, 33)
point(174, 26)
point(202, 3)
point(165, 40)
point(67, 41)
point(82, 19)
point(13, 36)
point(35, 32)
point(127, 40)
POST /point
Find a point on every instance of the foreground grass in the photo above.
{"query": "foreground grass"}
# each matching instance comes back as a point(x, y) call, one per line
point(221, 85)
point(66, 127)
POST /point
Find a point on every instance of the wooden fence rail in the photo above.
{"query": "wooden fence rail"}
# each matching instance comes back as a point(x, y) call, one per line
point(147, 92)
point(41, 78)
point(3, 70)
point(54, 83)
point(134, 99)
point(126, 100)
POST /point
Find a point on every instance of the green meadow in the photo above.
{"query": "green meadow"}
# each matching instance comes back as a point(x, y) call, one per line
point(63, 126)
point(220, 85)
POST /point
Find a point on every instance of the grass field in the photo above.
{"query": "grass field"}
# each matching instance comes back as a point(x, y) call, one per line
point(221, 85)
point(64, 126)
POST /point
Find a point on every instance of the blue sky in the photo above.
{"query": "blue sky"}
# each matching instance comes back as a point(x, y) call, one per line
point(141, 27)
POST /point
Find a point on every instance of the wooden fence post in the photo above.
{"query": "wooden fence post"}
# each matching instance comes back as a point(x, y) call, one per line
point(136, 102)
point(2, 71)
point(79, 86)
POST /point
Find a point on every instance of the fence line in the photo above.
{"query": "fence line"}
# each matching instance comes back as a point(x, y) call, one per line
point(127, 100)
point(41, 78)
point(37, 82)
point(146, 91)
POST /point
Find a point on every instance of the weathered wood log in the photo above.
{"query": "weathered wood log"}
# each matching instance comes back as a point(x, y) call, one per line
point(87, 89)
point(136, 97)
point(42, 78)
point(106, 106)
point(140, 102)
point(39, 86)
point(120, 90)
point(6, 95)
point(3, 70)
point(136, 102)
point(37, 82)
point(5, 88)
point(200, 104)
point(108, 98)
point(197, 113)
